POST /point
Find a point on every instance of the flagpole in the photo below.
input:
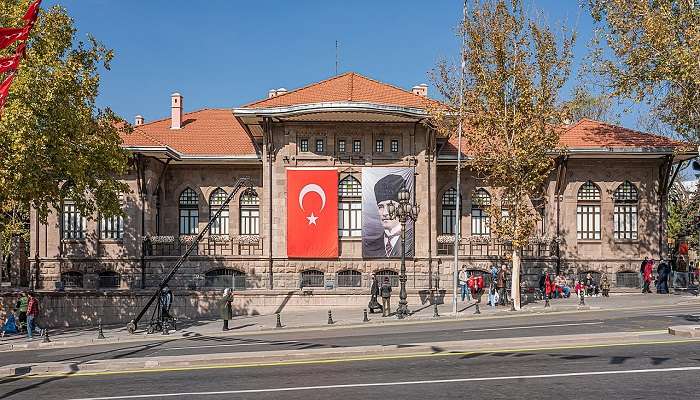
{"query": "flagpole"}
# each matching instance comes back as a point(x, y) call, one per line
point(458, 224)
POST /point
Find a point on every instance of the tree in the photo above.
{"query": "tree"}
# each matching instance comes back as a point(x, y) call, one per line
point(653, 57)
point(514, 69)
point(54, 142)
point(585, 104)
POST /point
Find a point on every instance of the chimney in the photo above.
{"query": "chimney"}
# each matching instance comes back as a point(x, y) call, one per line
point(176, 111)
point(138, 120)
point(420, 90)
point(275, 92)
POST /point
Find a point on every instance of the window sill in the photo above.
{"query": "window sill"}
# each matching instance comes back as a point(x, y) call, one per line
point(112, 241)
point(626, 241)
point(593, 241)
point(73, 241)
point(350, 238)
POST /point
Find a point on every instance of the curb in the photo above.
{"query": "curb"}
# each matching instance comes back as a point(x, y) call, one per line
point(687, 331)
point(328, 355)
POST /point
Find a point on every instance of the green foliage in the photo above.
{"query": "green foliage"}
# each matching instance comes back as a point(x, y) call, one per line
point(655, 56)
point(54, 142)
point(682, 208)
point(515, 68)
point(585, 104)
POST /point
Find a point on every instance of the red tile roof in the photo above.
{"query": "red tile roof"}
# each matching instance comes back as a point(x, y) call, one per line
point(590, 134)
point(203, 132)
point(350, 87)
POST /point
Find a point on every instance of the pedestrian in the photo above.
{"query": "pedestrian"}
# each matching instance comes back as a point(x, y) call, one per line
point(21, 307)
point(647, 274)
point(663, 273)
point(385, 292)
point(590, 284)
point(543, 283)
point(374, 293)
point(32, 313)
point(605, 285)
point(471, 284)
point(479, 287)
point(548, 287)
point(580, 288)
point(462, 279)
point(166, 302)
point(501, 285)
point(225, 307)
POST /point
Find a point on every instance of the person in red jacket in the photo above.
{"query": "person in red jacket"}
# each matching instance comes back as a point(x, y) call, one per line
point(32, 313)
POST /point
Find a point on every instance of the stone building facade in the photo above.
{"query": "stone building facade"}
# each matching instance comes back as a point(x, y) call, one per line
point(603, 210)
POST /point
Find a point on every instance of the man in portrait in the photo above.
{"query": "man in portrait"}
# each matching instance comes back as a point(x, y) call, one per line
point(382, 239)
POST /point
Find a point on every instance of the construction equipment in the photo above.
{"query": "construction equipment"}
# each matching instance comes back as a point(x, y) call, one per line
point(157, 318)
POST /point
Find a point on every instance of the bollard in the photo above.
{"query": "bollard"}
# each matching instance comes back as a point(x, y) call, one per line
point(365, 319)
point(279, 321)
point(165, 329)
point(330, 318)
point(546, 302)
point(100, 334)
point(512, 305)
point(582, 302)
point(477, 311)
point(435, 310)
point(46, 336)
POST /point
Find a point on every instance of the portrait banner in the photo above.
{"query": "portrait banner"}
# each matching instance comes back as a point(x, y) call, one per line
point(312, 213)
point(381, 236)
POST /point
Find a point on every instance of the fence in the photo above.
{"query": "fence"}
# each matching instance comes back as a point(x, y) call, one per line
point(207, 247)
point(494, 248)
point(628, 280)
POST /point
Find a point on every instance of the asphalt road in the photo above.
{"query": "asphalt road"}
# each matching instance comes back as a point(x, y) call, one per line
point(529, 325)
point(664, 371)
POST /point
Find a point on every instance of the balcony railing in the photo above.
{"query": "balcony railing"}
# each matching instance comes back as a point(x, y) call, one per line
point(166, 246)
point(485, 247)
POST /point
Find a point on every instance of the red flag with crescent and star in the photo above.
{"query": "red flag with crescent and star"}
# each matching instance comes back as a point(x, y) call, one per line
point(312, 213)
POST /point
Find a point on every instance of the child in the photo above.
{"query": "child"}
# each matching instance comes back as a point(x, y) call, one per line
point(580, 288)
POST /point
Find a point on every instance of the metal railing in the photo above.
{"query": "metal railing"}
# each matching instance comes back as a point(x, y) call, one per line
point(628, 280)
point(207, 247)
point(494, 248)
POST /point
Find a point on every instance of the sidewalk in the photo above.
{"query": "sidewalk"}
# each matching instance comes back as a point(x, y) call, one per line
point(343, 318)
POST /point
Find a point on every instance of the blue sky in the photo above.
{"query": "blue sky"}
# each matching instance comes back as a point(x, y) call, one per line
point(221, 53)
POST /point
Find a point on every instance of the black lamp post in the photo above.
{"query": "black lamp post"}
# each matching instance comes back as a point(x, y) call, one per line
point(404, 212)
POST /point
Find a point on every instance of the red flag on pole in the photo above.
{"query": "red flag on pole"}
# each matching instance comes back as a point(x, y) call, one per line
point(5, 89)
point(32, 12)
point(11, 35)
point(9, 63)
point(312, 213)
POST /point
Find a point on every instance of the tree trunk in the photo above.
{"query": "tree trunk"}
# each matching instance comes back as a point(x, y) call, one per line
point(515, 279)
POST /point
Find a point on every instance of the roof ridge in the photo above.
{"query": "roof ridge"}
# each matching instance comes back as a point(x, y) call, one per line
point(190, 112)
point(298, 89)
point(622, 127)
point(392, 86)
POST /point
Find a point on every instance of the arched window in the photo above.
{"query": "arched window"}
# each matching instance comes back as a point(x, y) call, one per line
point(625, 211)
point(250, 213)
point(225, 278)
point(588, 212)
point(349, 278)
point(449, 211)
point(72, 221)
point(481, 201)
point(72, 279)
point(311, 278)
point(349, 207)
point(108, 280)
point(189, 212)
point(216, 200)
point(387, 273)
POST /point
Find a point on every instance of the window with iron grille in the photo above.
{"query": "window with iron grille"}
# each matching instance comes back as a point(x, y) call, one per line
point(216, 201)
point(304, 145)
point(349, 278)
point(481, 200)
point(349, 207)
point(588, 212)
point(250, 213)
point(625, 211)
point(225, 278)
point(112, 227)
point(341, 146)
point(311, 278)
point(319, 145)
point(72, 279)
point(189, 212)
point(387, 273)
point(449, 211)
point(379, 146)
point(394, 146)
point(72, 222)
point(356, 146)
point(108, 280)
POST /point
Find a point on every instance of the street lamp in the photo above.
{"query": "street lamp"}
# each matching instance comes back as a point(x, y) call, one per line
point(404, 212)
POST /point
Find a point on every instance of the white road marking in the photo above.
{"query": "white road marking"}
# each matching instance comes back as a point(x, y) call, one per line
point(226, 345)
point(531, 327)
point(404, 383)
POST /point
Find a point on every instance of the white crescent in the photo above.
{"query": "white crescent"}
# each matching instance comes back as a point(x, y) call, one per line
point(312, 187)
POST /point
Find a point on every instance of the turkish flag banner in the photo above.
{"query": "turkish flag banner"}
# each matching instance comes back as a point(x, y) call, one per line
point(9, 63)
point(5, 89)
point(11, 35)
point(32, 12)
point(312, 213)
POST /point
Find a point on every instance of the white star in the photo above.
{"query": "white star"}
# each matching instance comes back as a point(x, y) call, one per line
point(312, 219)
